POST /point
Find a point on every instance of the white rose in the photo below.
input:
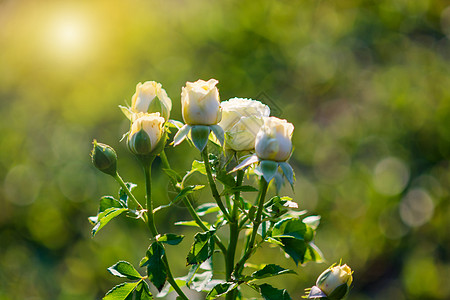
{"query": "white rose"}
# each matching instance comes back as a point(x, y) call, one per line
point(334, 278)
point(273, 141)
point(241, 121)
point(146, 132)
point(151, 97)
point(200, 103)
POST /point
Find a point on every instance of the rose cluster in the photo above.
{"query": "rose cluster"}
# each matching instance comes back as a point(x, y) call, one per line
point(246, 124)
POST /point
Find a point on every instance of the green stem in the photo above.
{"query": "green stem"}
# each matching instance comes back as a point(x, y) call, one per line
point(212, 185)
point(151, 224)
point(234, 235)
point(256, 224)
point(132, 197)
point(171, 279)
point(148, 189)
point(188, 203)
point(127, 191)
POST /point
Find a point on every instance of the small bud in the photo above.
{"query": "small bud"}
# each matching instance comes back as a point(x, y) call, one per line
point(147, 134)
point(335, 282)
point(139, 143)
point(104, 158)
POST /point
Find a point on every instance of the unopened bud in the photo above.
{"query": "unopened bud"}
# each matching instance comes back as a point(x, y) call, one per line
point(335, 282)
point(104, 158)
point(139, 143)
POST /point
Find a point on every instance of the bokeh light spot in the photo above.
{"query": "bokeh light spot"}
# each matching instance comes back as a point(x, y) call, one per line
point(390, 176)
point(416, 208)
point(21, 185)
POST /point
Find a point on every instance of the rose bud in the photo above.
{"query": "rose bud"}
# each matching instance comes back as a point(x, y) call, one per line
point(146, 133)
point(241, 121)
point(104, 158)
point(335, 282)
point(200, 103)
point(273, 141)
point(151, 97)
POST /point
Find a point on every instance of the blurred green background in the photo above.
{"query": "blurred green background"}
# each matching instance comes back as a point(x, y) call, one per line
point(366, 84)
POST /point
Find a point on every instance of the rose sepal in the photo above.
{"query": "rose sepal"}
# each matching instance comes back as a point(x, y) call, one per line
point(199, 135)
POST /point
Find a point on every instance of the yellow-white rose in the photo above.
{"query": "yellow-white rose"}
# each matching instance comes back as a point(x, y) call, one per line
point(241, 121)
point(273, 141)
point(146, 133)
point(335, 281)
point(151, 97)
point(200, 103)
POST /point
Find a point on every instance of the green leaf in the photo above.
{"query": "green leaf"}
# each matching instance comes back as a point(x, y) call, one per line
point(121, 291)
point(270, 293)
point(242, 188)
point(124, 269)
point(173, 174)
point(200, 135)
point(245, 163)
point(220, 290)
point(200, 281)
point(170, 238)
point(294, 228)
point(107, 202)
point(296, 238)
point(207, 208)
point(274, 241)
point(269, 271)
point(106, 216)
point(168, 287)
point(156, 270)
point(268, 169)
point(312, 221)
point(143, 292)
point(123, 197)
point(198, 166)
point(225, 178)
point(192, 223)
point(181, 135)
point(187, 190)
point(202, 248)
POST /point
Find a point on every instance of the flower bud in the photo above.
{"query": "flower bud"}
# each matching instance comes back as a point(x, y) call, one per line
point(146, 133)
point(151, 97)
point(241, 121)
point(200, 103)
point(273, 141)
point(335, 281)
point(104, 158)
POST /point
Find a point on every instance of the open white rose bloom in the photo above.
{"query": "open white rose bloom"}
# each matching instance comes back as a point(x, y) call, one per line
point(151, 97)
point(241, 121)
point(273, 141)
point(200, 103)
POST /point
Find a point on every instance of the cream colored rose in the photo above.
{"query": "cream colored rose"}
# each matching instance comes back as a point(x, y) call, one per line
point(273, 141)
point(151, 97)
point(200, 103)
point(241, 121)
point(146, 132)
point(333, 278)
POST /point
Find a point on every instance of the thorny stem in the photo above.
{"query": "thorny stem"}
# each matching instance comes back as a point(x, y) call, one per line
point(132, 197)
point(188, 203)
point(234, 235)
point(251, 245)
point(151, 224)
point(212, 185)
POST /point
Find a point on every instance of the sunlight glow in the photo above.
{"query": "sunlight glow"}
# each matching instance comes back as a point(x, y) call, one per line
point(69, 37)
